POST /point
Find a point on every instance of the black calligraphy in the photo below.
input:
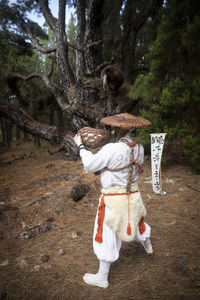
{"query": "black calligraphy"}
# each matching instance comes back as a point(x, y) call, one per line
point(157, 142)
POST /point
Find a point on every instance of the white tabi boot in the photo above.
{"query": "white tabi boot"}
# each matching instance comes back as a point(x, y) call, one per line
point(147, 245)
point(101, 278)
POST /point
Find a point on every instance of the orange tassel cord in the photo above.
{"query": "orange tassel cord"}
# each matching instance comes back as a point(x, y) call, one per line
point(129, 225)
point(129, 229)
point(101, 214)
point(142, 227)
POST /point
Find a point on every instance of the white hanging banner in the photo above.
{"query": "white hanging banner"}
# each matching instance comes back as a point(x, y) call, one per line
point(157, 143)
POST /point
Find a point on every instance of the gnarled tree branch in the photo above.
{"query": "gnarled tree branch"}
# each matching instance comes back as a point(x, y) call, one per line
point(37, 45)
point(51, 20)
point(45, 131)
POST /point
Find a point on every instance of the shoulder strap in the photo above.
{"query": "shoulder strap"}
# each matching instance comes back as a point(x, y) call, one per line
point(132, 161)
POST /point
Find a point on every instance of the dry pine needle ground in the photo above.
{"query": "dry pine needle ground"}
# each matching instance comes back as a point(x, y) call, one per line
point(36, 189)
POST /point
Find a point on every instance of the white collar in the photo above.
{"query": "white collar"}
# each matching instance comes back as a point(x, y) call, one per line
point(126, 137)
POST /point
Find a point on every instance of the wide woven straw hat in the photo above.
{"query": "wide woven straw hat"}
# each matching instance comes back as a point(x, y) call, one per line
point(125, 120)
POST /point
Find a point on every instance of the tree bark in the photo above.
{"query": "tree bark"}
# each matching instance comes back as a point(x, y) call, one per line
point(18, 133)
point(3, 132)
point(93, 35)
point(134, 20)
point(7, 133)
point(50, 133)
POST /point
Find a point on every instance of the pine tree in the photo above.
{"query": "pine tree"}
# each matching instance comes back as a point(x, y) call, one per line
point(169, 94)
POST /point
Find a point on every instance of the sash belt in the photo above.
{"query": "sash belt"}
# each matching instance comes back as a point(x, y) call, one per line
point(101, 215)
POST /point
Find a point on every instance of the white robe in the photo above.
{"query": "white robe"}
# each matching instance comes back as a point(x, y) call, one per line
point(112, 156)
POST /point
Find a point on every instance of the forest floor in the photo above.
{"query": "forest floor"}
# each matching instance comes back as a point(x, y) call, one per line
point(35, 199)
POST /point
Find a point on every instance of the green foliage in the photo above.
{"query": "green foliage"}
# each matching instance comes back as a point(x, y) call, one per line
point(192, 150)
point(170, 94)
point(71, 37)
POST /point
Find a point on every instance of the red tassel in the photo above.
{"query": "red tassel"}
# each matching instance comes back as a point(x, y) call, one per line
point(129, 229)
point(142, 227)
point(98, 238)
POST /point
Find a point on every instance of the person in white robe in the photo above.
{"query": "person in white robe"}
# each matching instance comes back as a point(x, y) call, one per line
point(118, 208)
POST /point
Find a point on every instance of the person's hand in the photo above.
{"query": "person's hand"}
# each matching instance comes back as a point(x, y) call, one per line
point(77, 140)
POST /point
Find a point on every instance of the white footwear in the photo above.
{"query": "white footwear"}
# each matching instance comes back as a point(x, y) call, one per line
point(101, 278)
point(96, 280)
point(147, 246)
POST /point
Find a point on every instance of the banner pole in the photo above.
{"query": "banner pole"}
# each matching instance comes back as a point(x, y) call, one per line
point(157, 143)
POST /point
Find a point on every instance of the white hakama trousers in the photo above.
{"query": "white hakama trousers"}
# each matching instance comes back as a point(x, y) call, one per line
point(109, 249)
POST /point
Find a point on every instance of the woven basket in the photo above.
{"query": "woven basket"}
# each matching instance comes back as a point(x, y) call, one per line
point(94, 138)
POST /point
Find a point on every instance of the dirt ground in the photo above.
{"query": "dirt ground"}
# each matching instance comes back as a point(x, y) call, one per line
point(35, 188)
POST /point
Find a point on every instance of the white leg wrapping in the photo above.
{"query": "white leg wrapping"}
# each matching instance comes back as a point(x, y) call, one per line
point(147, 246)
point(101, 278)
point(144, 238)
point(109, 249)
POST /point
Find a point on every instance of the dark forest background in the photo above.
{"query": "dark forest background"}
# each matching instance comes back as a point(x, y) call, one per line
point(51, 77)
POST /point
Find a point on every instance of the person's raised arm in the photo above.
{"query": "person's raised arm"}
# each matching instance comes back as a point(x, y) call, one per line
point(93, 162)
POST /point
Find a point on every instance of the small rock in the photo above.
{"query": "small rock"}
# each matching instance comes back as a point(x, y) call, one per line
point(50, 219)
point(36, 268)
point(37, 230)
point(180, 270)
point(183, 260)
point(75, 234)
point(23, 224)
point(44, 258)
point(169, 180)
point(3, 295)
point(4, 263)
point(79, 191)
point(21, 262)
point(148, 179)
point(62, 251)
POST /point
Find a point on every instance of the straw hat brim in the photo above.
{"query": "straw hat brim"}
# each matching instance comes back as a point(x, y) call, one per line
point(125, 120)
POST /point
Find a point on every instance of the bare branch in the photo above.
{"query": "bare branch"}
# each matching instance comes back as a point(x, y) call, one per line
point(23, 77)
point(37, 44)
point(72, 46)
point(61, 99)
point(81, 25)
point(100, 67)
point(51, 69)
point(45, 131)
point(61, 15)
point(95, 43)
point(51, 20)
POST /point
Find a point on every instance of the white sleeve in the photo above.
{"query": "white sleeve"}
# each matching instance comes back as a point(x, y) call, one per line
point(96, 162)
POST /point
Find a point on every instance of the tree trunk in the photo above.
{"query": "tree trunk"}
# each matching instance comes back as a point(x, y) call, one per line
point(18, 133)
point(3, 131)
point(37, 141)
point(51, 116)
point(60, 119)
point(50, 133)
point(134, 18)
point(10, 131)
point(81, 25)
point(93, 35)
point(7, 133)
point(25, 135)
